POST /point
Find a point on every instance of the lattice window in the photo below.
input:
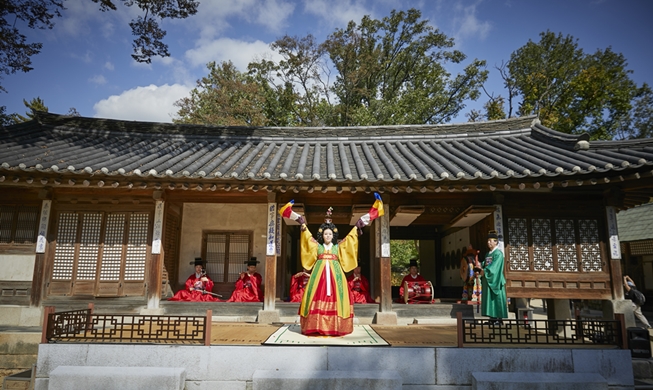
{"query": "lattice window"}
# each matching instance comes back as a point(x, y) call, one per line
point(542, 254)
point(136, 247)
point(518, 229)
point(570, 251)
point(227, 251)
point(89, 247)
point(119, 241)
point(18, 224)
point(112, 251)
point(64, 255)
point(566, 245)
point(589, 245)
point(640, 248)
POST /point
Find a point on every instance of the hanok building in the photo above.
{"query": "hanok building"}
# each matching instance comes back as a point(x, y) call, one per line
point(94, 208)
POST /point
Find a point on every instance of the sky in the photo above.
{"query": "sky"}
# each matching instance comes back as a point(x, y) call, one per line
point(86, 58)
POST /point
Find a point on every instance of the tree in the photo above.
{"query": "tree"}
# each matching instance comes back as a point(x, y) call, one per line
point(16, 52)
point(5, 119)
point(569, 90)
point(638, 123)
point(33, 106)
point(392, 71)
point(389, 71)
point(225, 97)
point(402, 251)
point(296, 87)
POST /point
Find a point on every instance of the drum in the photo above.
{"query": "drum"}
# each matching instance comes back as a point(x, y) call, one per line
point(418, 292)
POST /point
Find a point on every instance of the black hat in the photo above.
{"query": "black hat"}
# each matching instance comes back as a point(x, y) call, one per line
point(413, 263)
point(493, 234)
point(252, 261)
point(198, 261)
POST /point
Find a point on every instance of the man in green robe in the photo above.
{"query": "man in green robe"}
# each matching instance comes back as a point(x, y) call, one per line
point(494, 303)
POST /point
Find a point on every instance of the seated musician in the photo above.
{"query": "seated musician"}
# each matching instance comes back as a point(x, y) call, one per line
point(298, 284)
point(198, 286)
point(411, 278)
point(359, 286)
point(248, 285)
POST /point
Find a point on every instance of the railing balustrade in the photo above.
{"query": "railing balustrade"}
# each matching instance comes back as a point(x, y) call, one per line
point(86, 326)
point(543, 332)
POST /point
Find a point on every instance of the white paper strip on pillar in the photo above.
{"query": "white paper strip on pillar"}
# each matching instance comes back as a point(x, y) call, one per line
point(158, 227)
point(278, 227)
point(613, 230)
point(498, 226)
point(41, 241)
point(384, 221)
point(271, 230)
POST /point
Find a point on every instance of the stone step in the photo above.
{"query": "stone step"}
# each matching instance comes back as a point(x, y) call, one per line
point(537, 380)
point(118, 378)
point(318, 380)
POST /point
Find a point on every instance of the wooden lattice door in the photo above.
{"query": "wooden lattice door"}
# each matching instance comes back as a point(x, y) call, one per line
point(100, 254)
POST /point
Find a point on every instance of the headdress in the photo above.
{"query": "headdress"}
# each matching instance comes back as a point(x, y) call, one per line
point(198, 261)
point(493, 234)
point(413, 263)
point(328, 224)
point(252, 261)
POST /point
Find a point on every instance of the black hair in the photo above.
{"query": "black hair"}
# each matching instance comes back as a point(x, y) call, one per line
point(323, 227)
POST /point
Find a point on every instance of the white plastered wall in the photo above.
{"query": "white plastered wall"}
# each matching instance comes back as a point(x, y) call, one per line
point(452, 243)
point(198, 217)
point(17, 267)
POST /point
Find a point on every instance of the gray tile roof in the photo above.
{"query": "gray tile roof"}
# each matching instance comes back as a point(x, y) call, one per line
point(636, 223)
point(468, 152)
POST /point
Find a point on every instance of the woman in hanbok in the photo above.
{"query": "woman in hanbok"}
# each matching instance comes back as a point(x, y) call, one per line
point(327, 306)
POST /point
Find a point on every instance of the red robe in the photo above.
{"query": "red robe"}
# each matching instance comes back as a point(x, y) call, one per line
point(360, 289)
point(297, 286)
point(196, 295)
point(409, 278)
point(248, 289)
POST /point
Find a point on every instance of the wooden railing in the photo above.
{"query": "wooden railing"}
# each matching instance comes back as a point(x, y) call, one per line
point(86, 326)
point(550, 332)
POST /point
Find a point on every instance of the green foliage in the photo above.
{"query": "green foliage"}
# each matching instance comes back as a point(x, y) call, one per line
point(225, 97)
point(638, 123)
point(392, 71)
point(16, 53)
point(569, 90)
point(389, 71)
point(402, 251)
point(33, 106)
point(5, 119)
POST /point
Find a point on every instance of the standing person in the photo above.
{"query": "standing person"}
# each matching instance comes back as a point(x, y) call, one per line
point(298, 285)
point(359, 286)
point(198, 286)
point(469, 273)
point(327, 307)
point(248, 285)
point(637, 298)
point(494, 304)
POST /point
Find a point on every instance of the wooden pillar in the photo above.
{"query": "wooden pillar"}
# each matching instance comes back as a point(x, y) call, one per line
point(385, 315)
point(38, 275)
point(271, 254)
point(269, 314)
point(155, 270)
point(382, 230)
point(614, 253)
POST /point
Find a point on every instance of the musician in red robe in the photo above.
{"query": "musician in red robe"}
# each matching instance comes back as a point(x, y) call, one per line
point(248, 286)
point(412, 277)
point(359, 286)
point(198, 286)
point(298, 284)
